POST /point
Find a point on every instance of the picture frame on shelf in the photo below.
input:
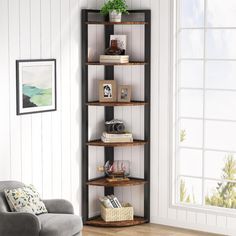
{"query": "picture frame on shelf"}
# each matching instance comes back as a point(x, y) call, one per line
point(121, 42)
point(107, 91)
point(35, 86)
point(124, 93)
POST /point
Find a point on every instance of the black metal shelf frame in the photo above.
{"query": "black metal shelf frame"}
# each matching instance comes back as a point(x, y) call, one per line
point(109, 111)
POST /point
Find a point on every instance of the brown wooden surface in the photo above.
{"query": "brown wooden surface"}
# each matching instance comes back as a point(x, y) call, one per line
point(113, 104)
point(101, 223)
point(102, 144)
point(141, 230)
point(105, 183)
point(117, 64)
point(116, 23)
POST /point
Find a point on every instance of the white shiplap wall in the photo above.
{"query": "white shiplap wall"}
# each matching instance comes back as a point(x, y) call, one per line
point(44, 149)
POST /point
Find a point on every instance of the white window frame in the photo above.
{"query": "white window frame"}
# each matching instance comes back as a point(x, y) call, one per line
point(174, 118)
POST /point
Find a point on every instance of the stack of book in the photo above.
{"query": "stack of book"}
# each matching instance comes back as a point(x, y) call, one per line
point(114, 59)
point(110, 201)
point(117, 138)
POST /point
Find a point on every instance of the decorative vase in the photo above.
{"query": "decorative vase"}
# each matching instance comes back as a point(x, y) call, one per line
point(115, 16)
point(113, 49)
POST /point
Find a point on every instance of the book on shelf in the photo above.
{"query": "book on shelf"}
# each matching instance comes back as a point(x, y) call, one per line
point(114, 58)
point(110, 201)
point(122, 135)
point(117, 140)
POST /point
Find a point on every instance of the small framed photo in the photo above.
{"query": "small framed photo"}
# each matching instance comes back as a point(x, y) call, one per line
point(35, 86)
point(124, 93)
point(107, 91)
point(121, 40)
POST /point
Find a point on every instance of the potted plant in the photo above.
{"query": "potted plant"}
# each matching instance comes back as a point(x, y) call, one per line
point(114, 8)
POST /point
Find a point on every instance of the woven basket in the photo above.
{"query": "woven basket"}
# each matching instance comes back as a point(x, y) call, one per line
point(117, 214)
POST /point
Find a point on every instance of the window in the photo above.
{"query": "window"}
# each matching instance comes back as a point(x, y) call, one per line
point(205, 103)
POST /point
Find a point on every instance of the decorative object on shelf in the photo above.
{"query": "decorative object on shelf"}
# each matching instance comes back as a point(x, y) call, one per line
point(113, 49)
point(113, 210)
point(115, 8)
point(126, 212)
point(124, 93)
point(121, 42)
point(117, 171)
point(115, 126)
point(107, 91)
point(36, 86)
point(108, 59)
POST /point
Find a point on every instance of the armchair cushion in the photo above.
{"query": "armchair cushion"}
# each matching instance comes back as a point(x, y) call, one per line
point(25, 199)
point(59, 206)
point(15, 224)
point(59, 224)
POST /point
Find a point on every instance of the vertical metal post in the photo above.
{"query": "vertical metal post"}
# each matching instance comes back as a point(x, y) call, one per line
point(147, 121)
point(109, 111)
point(84, 55)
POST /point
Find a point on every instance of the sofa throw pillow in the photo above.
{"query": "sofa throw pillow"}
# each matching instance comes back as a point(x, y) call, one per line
point(25, 199)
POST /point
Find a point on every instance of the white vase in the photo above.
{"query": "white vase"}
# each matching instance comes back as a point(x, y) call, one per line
point(115, 16)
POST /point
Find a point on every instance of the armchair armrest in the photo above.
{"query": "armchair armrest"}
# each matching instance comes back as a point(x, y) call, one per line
point(15, 224)
point(59, 206)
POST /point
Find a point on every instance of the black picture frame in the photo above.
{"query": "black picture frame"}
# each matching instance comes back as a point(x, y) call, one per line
point(24, 104)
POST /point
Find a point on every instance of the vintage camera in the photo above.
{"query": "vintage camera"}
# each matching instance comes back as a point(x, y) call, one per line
point(115, 126)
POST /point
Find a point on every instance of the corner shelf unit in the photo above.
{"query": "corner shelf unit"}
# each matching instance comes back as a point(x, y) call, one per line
point(93, 17)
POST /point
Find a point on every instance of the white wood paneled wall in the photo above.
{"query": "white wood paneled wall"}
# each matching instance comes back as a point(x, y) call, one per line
point(44, 149)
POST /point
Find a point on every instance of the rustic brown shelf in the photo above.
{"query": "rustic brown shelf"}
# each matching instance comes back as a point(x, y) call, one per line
point(131, 63)
point(103, 182)
point(98, 221)
point(113, 104)
point(116, 23)
point(128, 144)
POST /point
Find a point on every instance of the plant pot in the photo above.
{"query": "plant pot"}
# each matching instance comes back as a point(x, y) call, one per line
point(115, 16)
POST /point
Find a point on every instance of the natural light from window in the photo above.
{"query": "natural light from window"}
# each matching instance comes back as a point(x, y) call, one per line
point(205, 103)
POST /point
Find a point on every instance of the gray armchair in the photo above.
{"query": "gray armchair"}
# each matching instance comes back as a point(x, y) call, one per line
point(59, 221)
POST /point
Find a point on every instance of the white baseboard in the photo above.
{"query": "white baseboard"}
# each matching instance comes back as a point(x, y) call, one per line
point(203, 228)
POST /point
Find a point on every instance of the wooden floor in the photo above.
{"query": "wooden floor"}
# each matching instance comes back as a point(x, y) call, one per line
point(141, 230)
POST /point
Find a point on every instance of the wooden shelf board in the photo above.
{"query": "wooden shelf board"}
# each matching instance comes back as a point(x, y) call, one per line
point(102, 182)
point(98, 221)
point(102, 144)
point(113, 104)
point(116, 23)
point(131, 63)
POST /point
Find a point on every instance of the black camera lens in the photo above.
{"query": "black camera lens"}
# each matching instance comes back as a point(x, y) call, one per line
point(119, 128)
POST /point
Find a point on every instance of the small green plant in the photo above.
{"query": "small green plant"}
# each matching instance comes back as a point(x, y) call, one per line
point(119, 6)
point(182, 135)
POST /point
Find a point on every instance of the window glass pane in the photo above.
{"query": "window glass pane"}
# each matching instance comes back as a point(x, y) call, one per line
point(221, 135)
point(220, 194)
point(192, 13)
point(191, 103)
point(221, 74)
point(190, 133)
point(191, 44)
point(191, 74)
point(190, 162)
point(220, 44)
point(215, 163)
point(221, 105)
point(190, 190)
point(221, 13)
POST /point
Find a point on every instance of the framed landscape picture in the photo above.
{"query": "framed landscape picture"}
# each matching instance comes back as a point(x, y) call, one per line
point(35, 86)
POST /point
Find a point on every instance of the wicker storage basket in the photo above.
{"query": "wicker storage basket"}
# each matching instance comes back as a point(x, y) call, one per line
point(117, 214)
